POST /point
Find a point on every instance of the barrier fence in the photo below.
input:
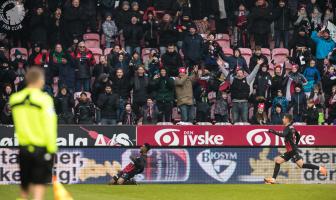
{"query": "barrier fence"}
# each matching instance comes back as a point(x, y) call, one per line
point(223, 154)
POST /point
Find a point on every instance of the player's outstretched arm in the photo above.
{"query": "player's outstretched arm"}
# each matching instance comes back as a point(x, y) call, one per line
point(278, 133)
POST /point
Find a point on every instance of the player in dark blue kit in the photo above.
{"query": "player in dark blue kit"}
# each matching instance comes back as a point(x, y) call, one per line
point(292, 138)
point(136, 166)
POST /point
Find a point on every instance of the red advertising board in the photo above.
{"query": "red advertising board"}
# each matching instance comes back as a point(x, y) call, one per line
point(231, 135)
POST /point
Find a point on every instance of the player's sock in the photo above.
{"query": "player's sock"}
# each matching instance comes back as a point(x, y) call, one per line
point(310, 166)
point(276, 170)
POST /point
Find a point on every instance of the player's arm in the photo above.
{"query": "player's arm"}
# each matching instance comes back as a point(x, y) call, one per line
point(50, 125)
point(278, 133)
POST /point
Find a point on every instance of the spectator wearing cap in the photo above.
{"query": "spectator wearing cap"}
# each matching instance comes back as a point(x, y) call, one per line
point(150, 27)
point(84, 110)
point(123, 16)
point(240, 91)
point(64, 103)
point(108, 103)
point(164, 87)
point(324, 45)
point(312, 76)
point(260, 117)
point(282, 21)
point(167, 33)
point(277, 115)
point(310, 115)
point(110, 30)
point(184, 94)
point(193, 47)
point(257, 55)
point(141, 90)
point(149, 113)
point(294, 78)
point(279, 100)
point(38, 26)
point(236, 61)
point(171, 61)
point(133, 35)
point(298, 102)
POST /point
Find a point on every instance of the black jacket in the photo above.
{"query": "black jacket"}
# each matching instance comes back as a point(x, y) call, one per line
point(310, 116)
point(168, 34)
point(64, 104)
point(133, 35)
point(108, 104)
point(123, 18)
point(254, 59)
point(171, 62)
point(263, 83)
point(282, 18)
point(140, 87)
point(298, 102)
point(276, 118)
point(260, 19)
point(121, 86)
point(38, 28)
point(193, 47)
point(84, 112)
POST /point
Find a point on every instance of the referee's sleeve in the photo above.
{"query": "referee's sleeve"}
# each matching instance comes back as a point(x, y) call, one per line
point(50, 125)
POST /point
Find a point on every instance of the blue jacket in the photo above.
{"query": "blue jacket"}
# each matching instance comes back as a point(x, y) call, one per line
point(280, 100)
point(323, 47)
point(312, 74)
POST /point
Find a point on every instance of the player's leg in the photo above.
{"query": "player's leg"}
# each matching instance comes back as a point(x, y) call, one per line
point(121, 181)
point(25, 172)
point(303, 165)
point(38, 191)
point(278, 161)
point(115, 178)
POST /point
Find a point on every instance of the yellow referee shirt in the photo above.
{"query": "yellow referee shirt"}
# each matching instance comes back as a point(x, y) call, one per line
point(35, 120)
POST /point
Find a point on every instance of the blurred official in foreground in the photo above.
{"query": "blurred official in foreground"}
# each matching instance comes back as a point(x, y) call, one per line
point(35, 125)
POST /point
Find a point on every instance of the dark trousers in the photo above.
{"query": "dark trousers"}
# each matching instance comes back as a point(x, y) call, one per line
point(261, 40)
point(165, 109)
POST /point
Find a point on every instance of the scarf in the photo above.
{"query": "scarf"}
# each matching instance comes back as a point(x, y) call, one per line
point(58, 56)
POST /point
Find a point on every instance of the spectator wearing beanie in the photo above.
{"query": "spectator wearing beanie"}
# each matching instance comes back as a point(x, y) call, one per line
point(277, 115)
point(133, 35)
point(257, 55)
point(282, 21)
point(298, 103)
point(182, 27)
point(64, 103)
point(260, 117)
point(184, 93)
point(310, 115)
point(312, 76)
point(193, 47)
point(171, 61)
point(164, 87)
point(108, 103)
point(84, 111)
point(240, 91)
point(136, 12)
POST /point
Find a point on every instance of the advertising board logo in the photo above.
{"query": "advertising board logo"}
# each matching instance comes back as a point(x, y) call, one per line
point(167, 137)
point(12, 14)
point(258, 137)
point(218, 165)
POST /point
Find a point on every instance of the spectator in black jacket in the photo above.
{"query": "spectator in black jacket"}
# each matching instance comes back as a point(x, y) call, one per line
point(133, 35)
point(108, 103)
point(282, 20)
point(64, 103)
point(310, 115)
point(279, 80)
point(256, 56)
point(123, 17)
point(149, 113)
point(38, 26)
point(7, 74)
point(259, 23)
point(301, 43)
point(167, 32)
point(193, 47)
point(164, 88)
point(150, 27)
point(128, 117)
point(102, 67)
point(84, 111)
point(298, 102)
point(263, 82)
point(171, 60)
point(237, 61)
point(56, 30)
point(140, 86)
point(276, 118)
point(328, 80)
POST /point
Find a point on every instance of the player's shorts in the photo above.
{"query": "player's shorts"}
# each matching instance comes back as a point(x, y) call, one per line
point(124, 175)
point(291, 155)
point(35, 166)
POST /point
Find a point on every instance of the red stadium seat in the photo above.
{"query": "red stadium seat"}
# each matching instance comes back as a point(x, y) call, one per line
point(92, 40)
point(279, 55)
point(164, 123)
point(246, 53)
point(222, 123)
point(223, 40)
point(107, 51)
point(204, 123)
point(97, 52)
point(266, 52)
point(228, 51)
point(23, 51)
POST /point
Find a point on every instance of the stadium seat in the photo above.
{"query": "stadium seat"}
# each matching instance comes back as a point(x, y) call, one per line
point(246, 53)
point(107, 51)
point(267, 52)
point(204, 123)
point(279, 55)
point(223, 123)
point(97, 52)
point(23, 51)
point(228, 51)
point(164, 123)
point(184, 123)
point(92, 40)
point(223, 40)
point(299, 123)
point(242, 123)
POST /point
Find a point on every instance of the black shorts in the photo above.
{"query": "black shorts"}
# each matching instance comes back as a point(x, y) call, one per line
point(124, 175)
point(291, 155)
point(36, 166)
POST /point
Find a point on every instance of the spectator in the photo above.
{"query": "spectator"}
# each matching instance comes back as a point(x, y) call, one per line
point(236, 61)
point(121, 86)
point(263, 82)
point(279, 100)
point(324, 45)
point(64, 103)
point(127, 116)
point(222, 11)
point(6, 115)
point(193, 47)
point(298, 102)
point(260, 117)
point(317, 95)
point(301, 44)
point(107, 6)
point(277, 115)
point(312, 76)
point(167, 32)
point(316, 18)
point(279, 80)
point(310, 115)
point(240, 91)
point(182, 27)
point(163, 86)
point(222, 108)
point(294, 78)
point(328, 16)
point(99, 86)
point(39, 56)
point(149, 113)
point(282, 21)
point(84, 60)
point(38, 26)
point(184, 94)
point(113, 56)
point(123, 17)
point(84, 111)
point(171, 61)
point(140, 86)
point(202, 105)
point(301, 19)
point(201, 10)
point(135, 11)
point(150, 27)
point(152, 65)
point(102, 68)
point(259, 23)
point(257, 55)
point(332, 106)
point(61, 63)
point(56, 30)
point(123, 63)
point(212, 51)
point(110, 31)
point(108, 104)
point(5, 94)
point(240, 31)
point(7, 74)
point(134, 63)
point(133, 35)
point(328, 80)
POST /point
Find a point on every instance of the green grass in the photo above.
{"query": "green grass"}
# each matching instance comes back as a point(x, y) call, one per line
point(190, 192)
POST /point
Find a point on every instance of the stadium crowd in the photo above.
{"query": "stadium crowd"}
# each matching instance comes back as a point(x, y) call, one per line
point(150, 61)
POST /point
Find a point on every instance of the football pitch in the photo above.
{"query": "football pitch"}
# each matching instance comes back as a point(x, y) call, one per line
point(189, 192)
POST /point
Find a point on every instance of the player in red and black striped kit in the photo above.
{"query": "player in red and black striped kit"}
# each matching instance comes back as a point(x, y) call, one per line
point(136, 166)
point(292, 138)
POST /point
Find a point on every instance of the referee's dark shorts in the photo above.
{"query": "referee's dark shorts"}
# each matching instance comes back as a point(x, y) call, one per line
point(35, 165)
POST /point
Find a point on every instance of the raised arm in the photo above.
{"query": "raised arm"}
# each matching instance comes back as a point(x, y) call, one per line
point(254, 72)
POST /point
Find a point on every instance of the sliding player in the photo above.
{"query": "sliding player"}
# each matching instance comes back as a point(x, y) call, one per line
point(136, 166)
point(292, 138)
